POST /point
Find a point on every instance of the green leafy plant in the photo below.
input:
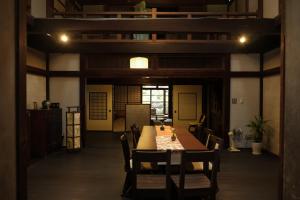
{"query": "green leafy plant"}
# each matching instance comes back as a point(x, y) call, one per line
point(257, 128)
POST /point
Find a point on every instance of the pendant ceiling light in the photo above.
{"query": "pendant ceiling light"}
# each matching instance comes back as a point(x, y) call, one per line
point(138, 63)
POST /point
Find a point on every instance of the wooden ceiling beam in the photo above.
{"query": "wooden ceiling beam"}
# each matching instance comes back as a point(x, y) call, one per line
point(161, 73)
point(136, 25)
point(208, 46)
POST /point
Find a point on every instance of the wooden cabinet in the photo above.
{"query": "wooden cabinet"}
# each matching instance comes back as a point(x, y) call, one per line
point(44, 131)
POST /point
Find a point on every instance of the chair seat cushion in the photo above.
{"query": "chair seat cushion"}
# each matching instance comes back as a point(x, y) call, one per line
point(144, 165)
point(198, 166)
point(151, 181)
point(193, 181)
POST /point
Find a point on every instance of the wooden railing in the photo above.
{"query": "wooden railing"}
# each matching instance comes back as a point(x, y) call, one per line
point(233, 11)
point(154, 14)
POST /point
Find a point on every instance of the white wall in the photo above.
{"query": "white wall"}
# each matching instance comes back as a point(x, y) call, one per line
point(271, 101)
point(271, 112)
point(35, 90)
point(253, 5)
point(271, 8)
point(244, 62)
point(38, 8)
point(65, 91)
point(272, 59)
point(36, 85)
point(35, 58)
point(64, 62)
point(246, 91)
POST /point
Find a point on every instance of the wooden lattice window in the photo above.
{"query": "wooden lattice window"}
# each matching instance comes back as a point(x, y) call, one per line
point(98, 106)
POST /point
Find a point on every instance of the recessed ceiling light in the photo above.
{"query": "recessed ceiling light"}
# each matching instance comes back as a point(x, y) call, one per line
point(48, 34)
point(243, 39)
point(64, 38)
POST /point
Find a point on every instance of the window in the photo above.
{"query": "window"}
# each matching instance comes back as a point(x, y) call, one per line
point(98, 106)
point(157, 97)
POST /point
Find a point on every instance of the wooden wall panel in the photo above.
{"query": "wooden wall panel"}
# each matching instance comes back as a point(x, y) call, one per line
point(191, 61)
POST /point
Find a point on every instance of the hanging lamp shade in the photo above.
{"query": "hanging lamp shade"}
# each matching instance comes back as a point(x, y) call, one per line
point(138, 63)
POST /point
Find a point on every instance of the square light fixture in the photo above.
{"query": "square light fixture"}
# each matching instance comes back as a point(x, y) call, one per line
point(138, 63)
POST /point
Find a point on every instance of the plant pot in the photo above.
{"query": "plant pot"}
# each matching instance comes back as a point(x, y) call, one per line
point(256, 148)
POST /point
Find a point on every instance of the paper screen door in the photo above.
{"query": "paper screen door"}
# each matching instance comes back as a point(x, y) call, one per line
point(187, 104)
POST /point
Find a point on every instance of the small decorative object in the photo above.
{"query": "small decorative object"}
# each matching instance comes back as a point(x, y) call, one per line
point(162, 126)
point(173, 137)
point(35, 106)
point(257, 127)
point(45, 104)
point(73, 135)
point(54, 105)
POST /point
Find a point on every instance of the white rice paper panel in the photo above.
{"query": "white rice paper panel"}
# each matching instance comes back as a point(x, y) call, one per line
point(138, 114)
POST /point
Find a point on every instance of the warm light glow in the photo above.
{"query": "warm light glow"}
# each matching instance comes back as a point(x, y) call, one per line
point(64, 38)
point(138, 63)
point(243, 39)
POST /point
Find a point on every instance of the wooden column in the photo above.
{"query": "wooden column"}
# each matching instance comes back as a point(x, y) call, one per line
point(21, 122)
point(47, 77)
point(49, 8)
point(226, 100)
point(291, 105)
point(119, 35)
point(154, 11)
point(83, 65)
point(260, 9)
point(261, 84)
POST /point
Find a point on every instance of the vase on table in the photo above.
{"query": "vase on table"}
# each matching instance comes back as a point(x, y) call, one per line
point(173, 137)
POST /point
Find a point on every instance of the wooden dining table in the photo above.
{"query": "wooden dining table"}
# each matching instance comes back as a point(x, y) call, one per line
point(149, 134)
point(184, 141)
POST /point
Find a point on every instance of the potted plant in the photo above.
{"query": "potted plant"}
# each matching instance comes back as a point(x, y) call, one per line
point(257, 129)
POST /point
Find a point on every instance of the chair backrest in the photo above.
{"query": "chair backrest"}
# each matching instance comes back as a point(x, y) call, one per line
point(202, 118)
point(199, 156)
point(135, 135)
point(204, 135)
point(152, 156)
point(126, 151)
point(216, 143)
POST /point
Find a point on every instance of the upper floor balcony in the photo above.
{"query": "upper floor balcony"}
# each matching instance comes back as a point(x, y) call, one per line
point(200, 23)
point(154, 8)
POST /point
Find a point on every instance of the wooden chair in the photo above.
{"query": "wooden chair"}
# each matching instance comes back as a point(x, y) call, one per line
point(203, 184)
point(204, 135)
point(214, 143)
point(135, 135)
point(195, 126)
point(127, 166)
point(145, 185)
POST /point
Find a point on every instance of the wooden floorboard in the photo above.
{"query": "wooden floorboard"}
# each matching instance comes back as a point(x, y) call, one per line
point(97, 173)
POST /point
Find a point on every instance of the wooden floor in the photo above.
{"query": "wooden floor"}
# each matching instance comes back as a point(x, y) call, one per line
point(96, 173)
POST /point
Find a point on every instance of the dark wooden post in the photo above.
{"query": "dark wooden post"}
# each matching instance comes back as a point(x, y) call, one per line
point(49, 8)
point(260, 9)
